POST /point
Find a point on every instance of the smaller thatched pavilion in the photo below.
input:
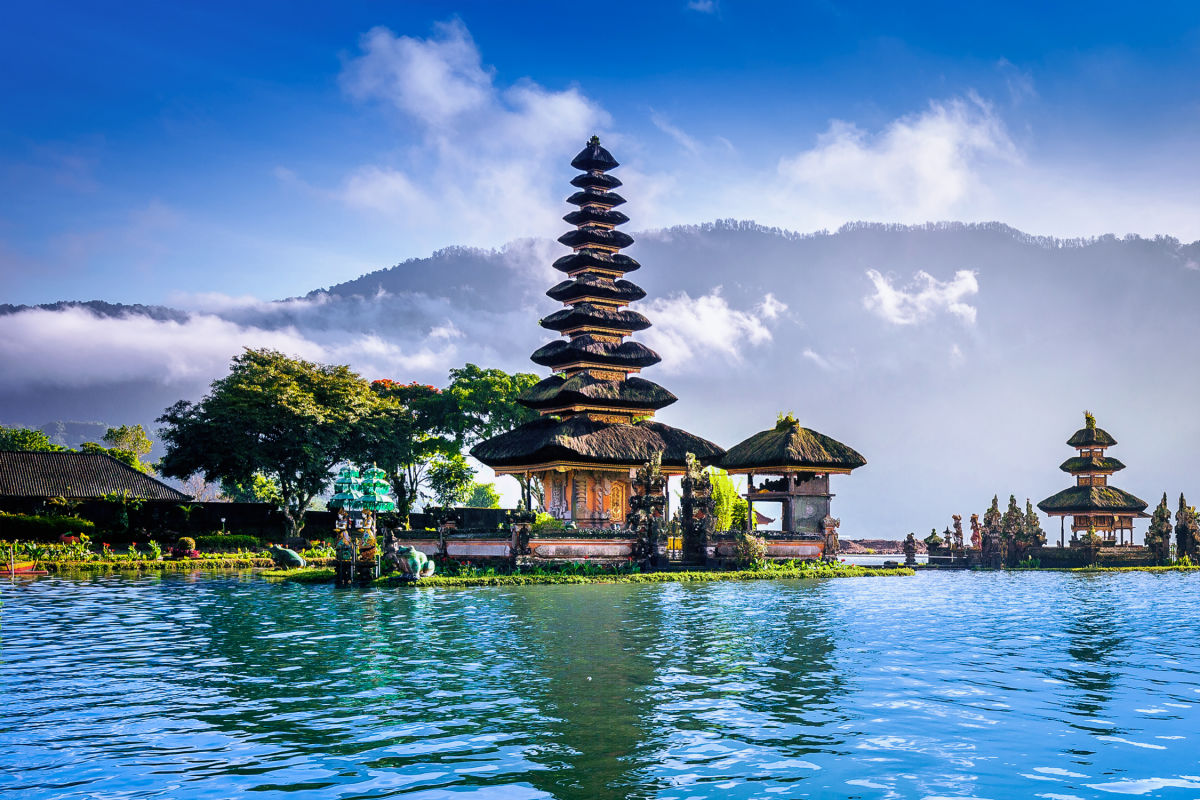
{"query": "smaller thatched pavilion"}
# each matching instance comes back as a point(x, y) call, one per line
point(801, 461)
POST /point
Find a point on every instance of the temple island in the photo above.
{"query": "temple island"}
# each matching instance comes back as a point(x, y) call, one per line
point(599, 456)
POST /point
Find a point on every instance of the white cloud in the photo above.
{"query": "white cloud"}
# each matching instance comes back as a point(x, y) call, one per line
point(924, 297)
point(703, 6)
point(919, 167)
point(482, 165)
point(688, 331)
point(684, 140)
point(74, 348)
point(771, 307)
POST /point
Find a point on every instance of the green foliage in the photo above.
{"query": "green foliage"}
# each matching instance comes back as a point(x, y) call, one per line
point(259, 489)
point(749, 551)
point(126, 457)
point(285, 418)
point(483, 495)
point(486, 401)
point(406, 428)
point(27, 440)
point(1187, 530)
point(933, 540)
point(226, 543)
point(130, 439)
point(42, 528)
point(450, 480)
point(185, 543)
point(546, 522)
point(726, 501)
point(1029, 562)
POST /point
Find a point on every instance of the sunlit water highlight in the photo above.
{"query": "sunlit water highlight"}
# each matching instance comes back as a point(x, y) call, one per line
point(1043, 685)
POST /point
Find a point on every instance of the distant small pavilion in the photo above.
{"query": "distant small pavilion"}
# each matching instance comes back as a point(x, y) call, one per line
point(800, 462)
point(1092, 503)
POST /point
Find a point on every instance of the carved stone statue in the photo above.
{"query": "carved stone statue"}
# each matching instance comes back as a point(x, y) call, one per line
point(958, 532)
point(976, 533)
point(910, 550)
point(829, 526)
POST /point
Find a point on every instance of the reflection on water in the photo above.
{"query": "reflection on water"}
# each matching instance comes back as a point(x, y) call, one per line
point(943, 685)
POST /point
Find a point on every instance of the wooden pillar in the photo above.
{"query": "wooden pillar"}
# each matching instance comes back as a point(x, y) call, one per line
point(749, 502)
point(1062, 531)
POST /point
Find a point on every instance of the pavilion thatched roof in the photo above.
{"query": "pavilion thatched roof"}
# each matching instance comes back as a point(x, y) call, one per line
point(595, 316)
point(1091, 436)
point(788, 447)
point(588, 348)
point(582, 440)
point(588, 284)
point(1093, 499)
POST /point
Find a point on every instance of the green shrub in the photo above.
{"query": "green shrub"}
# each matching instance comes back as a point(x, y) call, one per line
point(185, 543)
point(46, 528)
point(547, 522)
point(226, 543)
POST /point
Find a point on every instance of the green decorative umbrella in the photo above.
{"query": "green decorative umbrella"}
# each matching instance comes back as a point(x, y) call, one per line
point(349, 500)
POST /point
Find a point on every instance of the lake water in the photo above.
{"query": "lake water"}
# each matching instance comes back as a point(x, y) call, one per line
point(948, 684)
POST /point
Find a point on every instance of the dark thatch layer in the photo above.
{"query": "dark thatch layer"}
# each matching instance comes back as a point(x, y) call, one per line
point(587, 348)
point(559, 390)
point(1083, 464)
point(590, 285)
point(1090, 499)
point(589, 197)
point(1091, 437)
point(788, 445)
point(590, 235)
point(594, 157)
point(597, 179)
point(77, 476)
point(583, 440)
point(589, 314)
point(595, 258)
point(589, 214)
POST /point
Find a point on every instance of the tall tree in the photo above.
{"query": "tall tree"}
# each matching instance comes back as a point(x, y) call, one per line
point(483, 495)
point(288, 419)
point(450, 480)
point(1158, 536)
point(408, 427)
point(131, 439)
point(487, 401)
point(27, 439)
point(726, 501)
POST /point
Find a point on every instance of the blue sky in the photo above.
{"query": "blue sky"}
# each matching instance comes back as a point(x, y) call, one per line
point(154, 152)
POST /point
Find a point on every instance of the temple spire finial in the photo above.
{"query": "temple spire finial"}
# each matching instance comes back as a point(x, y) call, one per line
point(594, 140)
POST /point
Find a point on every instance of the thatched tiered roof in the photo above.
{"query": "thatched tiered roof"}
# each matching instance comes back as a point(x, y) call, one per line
point(1091, 436)
point(788, 447)
point(581, 441)
point(1088, 465)
point(1093, 497)
point(583, 389)
point(596, 412)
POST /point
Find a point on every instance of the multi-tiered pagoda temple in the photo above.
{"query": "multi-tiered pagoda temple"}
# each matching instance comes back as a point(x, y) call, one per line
point(1092, 503)
point(596, 421)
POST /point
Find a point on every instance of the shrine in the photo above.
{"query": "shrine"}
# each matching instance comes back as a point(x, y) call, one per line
point(800, 462)
point(596, 424)
point(1092, 503)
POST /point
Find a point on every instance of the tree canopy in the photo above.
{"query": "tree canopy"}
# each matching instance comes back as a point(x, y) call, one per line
point(287, 419)
point(28, 440)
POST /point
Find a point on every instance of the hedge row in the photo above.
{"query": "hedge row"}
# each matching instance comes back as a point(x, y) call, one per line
point(39, 528)
point(227, 542)
point(147, 565)
point(326, 575)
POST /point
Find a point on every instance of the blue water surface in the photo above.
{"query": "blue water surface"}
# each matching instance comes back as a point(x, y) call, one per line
point(1047, 685)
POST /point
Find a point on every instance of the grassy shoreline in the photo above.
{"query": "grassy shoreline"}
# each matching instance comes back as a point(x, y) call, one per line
point(319, 575)
point(150, 565)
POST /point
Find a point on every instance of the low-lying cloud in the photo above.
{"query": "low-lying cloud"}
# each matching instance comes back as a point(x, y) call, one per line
point(922, 298)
